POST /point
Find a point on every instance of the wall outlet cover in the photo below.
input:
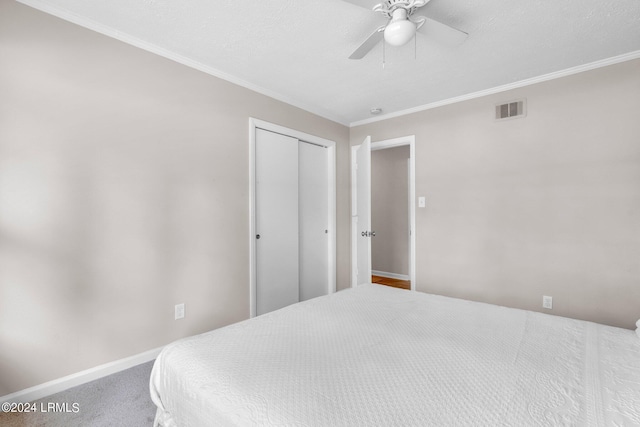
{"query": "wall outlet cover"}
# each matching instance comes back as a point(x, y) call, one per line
point(179, 311)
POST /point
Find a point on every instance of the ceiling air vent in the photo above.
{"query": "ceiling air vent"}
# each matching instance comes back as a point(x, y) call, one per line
point(511, 110)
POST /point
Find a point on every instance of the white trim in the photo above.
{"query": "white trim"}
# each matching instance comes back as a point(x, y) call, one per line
point(491, 91)
point(165, 53)
point(61, 384)
point(331, 146)
point(390, 275)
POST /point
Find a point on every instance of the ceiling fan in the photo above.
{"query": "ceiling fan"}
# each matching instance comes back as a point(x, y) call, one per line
point(402, 27)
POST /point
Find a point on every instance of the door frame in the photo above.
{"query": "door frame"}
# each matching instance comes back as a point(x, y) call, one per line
point(409, 140)
point(331, 184)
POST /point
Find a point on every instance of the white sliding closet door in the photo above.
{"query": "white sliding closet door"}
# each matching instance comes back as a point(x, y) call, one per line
point(277, 236)
point(314, 218)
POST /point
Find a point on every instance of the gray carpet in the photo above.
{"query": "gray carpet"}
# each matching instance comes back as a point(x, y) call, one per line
point(118, 400)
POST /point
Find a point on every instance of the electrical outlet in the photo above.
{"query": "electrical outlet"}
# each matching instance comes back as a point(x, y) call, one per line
point(547, 302)
point(179, 311)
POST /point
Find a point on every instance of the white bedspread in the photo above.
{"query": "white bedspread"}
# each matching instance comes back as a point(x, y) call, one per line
point(378, 356)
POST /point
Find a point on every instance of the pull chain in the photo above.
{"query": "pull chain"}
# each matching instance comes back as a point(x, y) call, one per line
point(383, 54)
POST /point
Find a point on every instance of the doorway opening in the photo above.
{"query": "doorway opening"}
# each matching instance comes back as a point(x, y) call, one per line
point(386, 253)
point(390, 215)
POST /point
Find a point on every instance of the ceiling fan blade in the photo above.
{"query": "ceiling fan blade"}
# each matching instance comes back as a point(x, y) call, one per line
point(368, 44)
point(367, 4)
point(440, 32)
point(419, 3)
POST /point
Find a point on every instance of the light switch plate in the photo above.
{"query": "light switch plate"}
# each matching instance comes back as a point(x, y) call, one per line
point(422, 202)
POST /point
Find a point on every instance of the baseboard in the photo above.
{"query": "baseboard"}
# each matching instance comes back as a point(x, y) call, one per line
point(390, 275)
point(61, 384)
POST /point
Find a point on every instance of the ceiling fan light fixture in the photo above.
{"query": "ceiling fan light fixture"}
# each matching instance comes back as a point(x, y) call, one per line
point(400, 30)
point(402, 26)
point(399, 33)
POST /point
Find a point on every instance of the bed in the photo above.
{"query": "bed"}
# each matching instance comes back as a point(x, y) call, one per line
point(379, 356)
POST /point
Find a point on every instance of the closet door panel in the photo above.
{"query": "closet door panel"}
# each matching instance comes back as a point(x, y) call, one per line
point(277, 247)
point(314, 218)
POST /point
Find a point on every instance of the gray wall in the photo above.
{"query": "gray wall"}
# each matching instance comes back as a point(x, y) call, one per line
point(390, 210)
point(545, 205)
point(124, 190)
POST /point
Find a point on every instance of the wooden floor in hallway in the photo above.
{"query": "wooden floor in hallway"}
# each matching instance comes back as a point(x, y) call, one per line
point(396, 283)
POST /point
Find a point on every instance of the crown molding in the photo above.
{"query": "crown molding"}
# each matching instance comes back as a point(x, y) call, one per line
point(66, 15)
point(116, 34)
point(522, 83)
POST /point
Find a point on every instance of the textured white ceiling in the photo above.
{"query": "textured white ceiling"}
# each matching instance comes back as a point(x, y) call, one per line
point(297, 50)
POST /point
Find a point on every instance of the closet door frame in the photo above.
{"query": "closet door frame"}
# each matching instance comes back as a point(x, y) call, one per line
point(331, 184)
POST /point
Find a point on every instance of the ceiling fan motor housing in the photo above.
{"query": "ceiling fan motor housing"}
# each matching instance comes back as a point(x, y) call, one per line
point(389, 6)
